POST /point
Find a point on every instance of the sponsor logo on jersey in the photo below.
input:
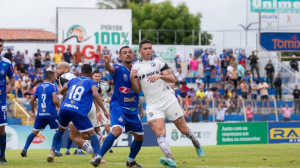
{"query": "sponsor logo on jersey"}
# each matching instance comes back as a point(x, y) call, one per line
point(174, 135)
point(153, 64)
point(125, 78)
point(148, 74)
point(39, 138)
point(285, 133)
point(129, 99)
point(120, 119)
point(117, 67)
point(124, 89)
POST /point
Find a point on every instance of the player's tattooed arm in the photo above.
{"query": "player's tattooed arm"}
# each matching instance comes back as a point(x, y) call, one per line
point(32, 106)
point(135, 83)
point(98, 99)
point(107, 66)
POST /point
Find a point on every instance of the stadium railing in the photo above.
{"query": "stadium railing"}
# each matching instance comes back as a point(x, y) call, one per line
point(15, 105)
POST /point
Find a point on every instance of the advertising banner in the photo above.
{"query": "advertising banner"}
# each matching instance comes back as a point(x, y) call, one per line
point(242, 133)
point(280, 41)
point(206, 133)
point(275, 6)
point(284, 132)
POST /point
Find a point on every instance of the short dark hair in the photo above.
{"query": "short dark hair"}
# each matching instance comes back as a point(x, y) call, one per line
point(96, 71)
point(49, 75)
point(123, 48)
point(1, 40)
point(86, 69)
point(144, 42)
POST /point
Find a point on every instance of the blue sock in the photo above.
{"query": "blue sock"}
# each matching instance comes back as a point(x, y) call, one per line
point(29, 140)
point(2, 145)
point(107, 144)
point(135, 147)
point(69, 143)
point(58, 146)
point(95, 144)
point(56, 139)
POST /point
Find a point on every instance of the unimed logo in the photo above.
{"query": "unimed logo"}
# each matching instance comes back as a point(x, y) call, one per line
point(285, 133)
point(39, 138)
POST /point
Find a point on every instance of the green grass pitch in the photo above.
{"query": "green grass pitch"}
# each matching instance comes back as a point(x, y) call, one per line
point(275, 155)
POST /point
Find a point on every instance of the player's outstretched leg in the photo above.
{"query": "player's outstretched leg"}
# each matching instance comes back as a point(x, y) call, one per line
point(135, 147)
point(57, 149)
point(183, 128)
point(28, 142)
point(56, 139)
point(69, 144)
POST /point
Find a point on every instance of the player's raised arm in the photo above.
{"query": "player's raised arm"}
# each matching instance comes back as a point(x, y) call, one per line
point(98, 99)
point(135, 83)
point(107, 66)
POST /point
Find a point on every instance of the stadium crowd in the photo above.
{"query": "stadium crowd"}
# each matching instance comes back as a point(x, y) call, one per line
point(223, 78)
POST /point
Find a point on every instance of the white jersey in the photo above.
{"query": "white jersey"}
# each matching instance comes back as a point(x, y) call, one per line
point(105, 89)
point(158, 92)
point(64, 78)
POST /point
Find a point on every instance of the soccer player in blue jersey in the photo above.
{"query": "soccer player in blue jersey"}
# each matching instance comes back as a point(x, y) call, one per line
point(81, 94)
point(46, 93)
point(6, 69)
point(123, 108)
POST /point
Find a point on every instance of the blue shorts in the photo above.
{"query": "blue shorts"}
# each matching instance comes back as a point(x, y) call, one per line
point(3, 115)
point(130, 119)
point(253, 96)
point(41, 123)
point(218, 78)
point(81, 122)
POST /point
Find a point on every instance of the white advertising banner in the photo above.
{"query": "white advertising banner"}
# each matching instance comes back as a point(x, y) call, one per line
point(94, 26)
point(206, 133)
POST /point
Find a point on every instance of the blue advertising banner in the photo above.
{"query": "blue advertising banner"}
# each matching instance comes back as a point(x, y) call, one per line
point(284, 132)
point(280, 41)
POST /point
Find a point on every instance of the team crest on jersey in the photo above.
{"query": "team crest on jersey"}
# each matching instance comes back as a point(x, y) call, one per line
point(153, 64)
point(2, 72)
point(125, 78)
point(72, 101)
point(120, 119)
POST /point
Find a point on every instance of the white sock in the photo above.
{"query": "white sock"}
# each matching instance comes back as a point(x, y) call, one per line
point(164, 146)
point(87, 147)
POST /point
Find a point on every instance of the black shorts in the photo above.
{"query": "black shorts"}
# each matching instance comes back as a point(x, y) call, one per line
point(188, 67)
point(265, 97)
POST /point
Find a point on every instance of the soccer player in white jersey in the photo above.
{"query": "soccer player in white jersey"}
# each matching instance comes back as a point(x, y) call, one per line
point(152, 77)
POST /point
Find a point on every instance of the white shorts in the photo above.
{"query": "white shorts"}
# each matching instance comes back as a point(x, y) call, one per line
point(92, 116)
point(170, 109)
point(105, 120)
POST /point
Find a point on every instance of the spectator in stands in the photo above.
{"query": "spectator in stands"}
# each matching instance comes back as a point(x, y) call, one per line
point(191, 92)
point(216, 95)
point(57, 57)
point(188, 66)
point(37, 59)
point(254, 92)
point(270, 72)
point(218, 73)
point(195, 112)
point(32, 77)
point(232, 60)
point(205, 112)
point(78, 56)
point(135, 57)
point(105, 51)
point(244, 88)
point(26, 80)
point(97, 56)
point(179, 77)
point(18, 58)
point(200, 82)
point(296, 94)
point(207, 73)
point(204, 58)
point(9, 55)
point(227, 93)
point(177, 61)
point(242, 59)
point(201, 95)
point(277, 85)
point(116, 58)
point(249, 113)
point(234, 77)
point(22, 69)
point(294, 63)
point(184, 87)
point(247, 77)
point(212, 60)
point(208, 96)
point(223, 55)
point(194, 64)
point(31, 68)
point(68, 56)
point(27, 59)
point(47, 59)
point(224, 66)
point(222, 108)
point(235, 104)
point(287, 112)
point(254, 63)
point(229, 70)
point(263, 88)
point(241, 72)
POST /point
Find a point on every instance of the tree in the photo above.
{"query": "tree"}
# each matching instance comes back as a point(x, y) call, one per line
point(119, 4)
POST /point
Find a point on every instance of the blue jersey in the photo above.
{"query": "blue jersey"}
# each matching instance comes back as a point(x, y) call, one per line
point(46, 107)
point(223, 56)
point(123, 94)
point(80, 97)
point(217, 67)
point(6, 69)
point(207, 70)
point(204, 58)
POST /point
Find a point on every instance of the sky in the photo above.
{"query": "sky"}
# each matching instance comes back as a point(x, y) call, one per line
point(217, 14)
